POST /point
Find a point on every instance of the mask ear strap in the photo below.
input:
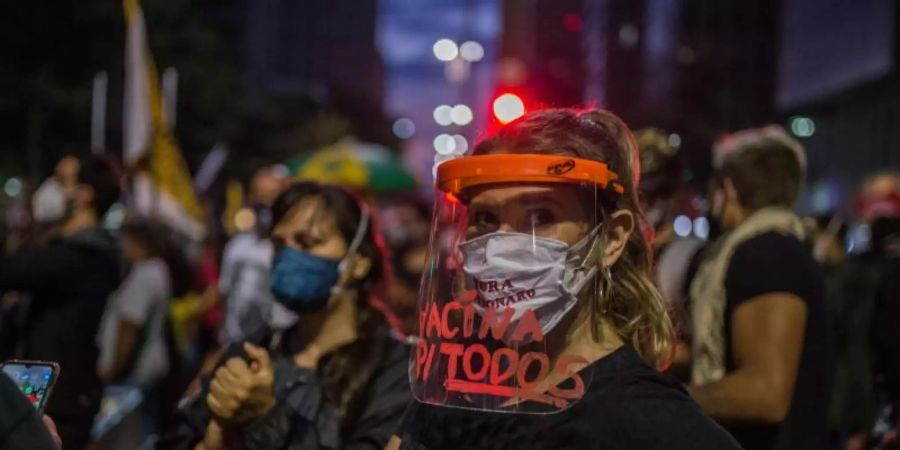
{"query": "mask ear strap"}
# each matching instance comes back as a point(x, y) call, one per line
point(587, 240)
point(592, 272)
point(358, 237)
point(590, 239)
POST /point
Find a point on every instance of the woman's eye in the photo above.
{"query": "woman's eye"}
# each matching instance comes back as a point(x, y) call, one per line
point(483, 219)
point(541, 217)
point(304, 241)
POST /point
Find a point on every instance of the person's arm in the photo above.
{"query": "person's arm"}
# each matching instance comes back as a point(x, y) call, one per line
point(767, 340)
point(126, 344)
point(37, 268)
point(132, 303)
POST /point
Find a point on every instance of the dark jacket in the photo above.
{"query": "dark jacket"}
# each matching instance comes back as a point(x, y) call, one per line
point(304, 417)
point(65, 286)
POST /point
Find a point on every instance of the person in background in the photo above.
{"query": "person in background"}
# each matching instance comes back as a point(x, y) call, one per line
point(337, 378)
point(545, 205)
point(131, 340)
point(864, 299)
point(67, 282)
point(246, 262)
point(136, 346)
point(48, 204)
point(762, 350)
point(662, 194)
point(406, 224)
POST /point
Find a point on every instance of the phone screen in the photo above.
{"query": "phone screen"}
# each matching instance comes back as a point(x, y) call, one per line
point(34, 380)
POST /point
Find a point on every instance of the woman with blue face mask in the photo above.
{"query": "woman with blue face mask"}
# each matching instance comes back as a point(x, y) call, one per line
point(336, 379)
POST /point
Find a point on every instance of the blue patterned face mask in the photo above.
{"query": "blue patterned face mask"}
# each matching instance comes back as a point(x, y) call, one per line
point(303, 282)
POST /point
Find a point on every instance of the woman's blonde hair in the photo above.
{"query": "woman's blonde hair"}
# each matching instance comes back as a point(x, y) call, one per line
point(632, 304)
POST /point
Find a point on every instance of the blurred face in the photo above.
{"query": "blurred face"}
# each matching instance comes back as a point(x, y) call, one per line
point(265, 187)
point(66, 172)
point(133, 249)
point(548, 211)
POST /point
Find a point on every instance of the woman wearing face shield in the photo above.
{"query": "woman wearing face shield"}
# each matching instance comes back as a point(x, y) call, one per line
point(539, 326)
point(336, 379)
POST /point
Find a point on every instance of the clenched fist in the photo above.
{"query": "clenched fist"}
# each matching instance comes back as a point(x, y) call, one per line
point(240, 392)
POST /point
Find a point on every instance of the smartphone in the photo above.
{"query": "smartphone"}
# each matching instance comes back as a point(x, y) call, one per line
point(34, 378)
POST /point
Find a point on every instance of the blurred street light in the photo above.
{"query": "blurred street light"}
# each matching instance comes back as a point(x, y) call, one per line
point(508, 107)
point(803, 126)
point(404, 128)
point(13, 187)
point(445, 50)
point(471, 51)
point(461, 115)
point(442, 115)
point(461, 145)
point(444, 144)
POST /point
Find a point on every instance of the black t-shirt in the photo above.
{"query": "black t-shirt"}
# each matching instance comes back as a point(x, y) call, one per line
point(774, 262)
point(627, 406)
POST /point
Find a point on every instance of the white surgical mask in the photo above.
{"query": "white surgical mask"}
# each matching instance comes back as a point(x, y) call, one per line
point(525, 272)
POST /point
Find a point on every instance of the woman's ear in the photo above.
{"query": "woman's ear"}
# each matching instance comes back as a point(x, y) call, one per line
point(359, 267)
point(619, 226)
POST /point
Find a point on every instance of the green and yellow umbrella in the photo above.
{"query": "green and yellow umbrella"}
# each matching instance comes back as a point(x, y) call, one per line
point(364, 166)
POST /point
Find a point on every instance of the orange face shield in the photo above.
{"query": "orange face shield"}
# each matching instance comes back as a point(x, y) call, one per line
point(457, 175)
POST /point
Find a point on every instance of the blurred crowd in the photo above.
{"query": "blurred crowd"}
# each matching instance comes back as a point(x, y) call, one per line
point(785, 324)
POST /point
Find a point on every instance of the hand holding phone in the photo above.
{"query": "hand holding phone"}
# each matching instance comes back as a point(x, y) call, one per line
point(35, 379)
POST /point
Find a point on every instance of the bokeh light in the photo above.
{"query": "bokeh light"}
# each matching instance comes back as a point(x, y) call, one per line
point(444, 144)
point(471, 51)
point(442, 115)
point(404, 128)
point(683, 226)
point(803, 126)
point(461, 115)
point(508, 107)
point(445, 50)
point(13, 187)
point(460, 144)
